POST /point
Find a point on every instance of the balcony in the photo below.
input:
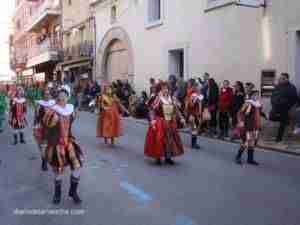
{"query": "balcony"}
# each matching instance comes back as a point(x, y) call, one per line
point(18, 61)
point(47, 50)
point(44, 13)
point(84, 49)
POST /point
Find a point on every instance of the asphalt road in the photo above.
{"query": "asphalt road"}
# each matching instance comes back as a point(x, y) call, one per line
point(120, 187)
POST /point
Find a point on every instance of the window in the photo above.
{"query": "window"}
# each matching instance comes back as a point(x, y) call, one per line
point(267, 82)
point(113, 14)
point(154, 11)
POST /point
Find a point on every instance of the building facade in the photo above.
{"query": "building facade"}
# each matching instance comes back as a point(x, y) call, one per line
point(78, 41)
point(36, 42)
point(247, 40)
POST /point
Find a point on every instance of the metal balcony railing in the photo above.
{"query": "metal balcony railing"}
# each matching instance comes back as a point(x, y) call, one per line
point(84, 49)
point(47, 45)
point(41, 11)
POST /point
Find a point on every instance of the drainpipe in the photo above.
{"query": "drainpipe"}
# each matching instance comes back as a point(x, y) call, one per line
point(95, 45)
point(62, 35)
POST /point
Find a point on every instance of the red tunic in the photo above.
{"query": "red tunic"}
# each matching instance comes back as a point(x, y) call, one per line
point(62, 149)
point(17, 113)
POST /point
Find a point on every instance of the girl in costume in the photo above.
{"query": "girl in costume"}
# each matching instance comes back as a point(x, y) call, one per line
point(109, 121)
point(250, 125)
point(17, 115)
point(40, 128)
point(62, 149)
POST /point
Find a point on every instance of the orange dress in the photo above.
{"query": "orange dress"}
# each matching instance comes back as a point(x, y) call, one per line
point(109, 122)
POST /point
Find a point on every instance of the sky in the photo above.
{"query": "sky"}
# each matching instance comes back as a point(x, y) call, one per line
point(6, 11)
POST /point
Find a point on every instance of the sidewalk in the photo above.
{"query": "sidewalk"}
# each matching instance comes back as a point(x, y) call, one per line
point(291, 145)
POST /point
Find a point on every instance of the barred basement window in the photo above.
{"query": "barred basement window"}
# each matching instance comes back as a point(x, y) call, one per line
point(154, 10)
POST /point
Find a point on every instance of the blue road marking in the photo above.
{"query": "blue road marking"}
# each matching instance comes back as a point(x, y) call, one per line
point(135, 191)
point(184, 220)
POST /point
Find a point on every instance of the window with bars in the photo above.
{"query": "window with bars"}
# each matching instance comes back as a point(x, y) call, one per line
point(154, 11)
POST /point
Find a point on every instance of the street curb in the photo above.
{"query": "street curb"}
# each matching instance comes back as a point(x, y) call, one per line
point(265, 147)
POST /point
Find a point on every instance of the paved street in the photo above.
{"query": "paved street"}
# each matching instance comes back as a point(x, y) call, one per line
point(120, 187)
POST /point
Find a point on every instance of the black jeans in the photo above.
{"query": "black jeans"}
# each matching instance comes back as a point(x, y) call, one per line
point(224, 123)
point(213, 121)
point(284, 119)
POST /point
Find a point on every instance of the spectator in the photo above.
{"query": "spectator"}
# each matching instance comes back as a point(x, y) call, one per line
point(127, 91)
point(141, 110)
point(249, 87)
point(237, 103)
point(225, 102)
point(205, 84)
point(181, 91)
point(212, 104)
point(152, 86)
point(172, 83)
point(283, 98)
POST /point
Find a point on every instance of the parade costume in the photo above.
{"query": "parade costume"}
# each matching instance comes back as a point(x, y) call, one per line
point(109, 119)
point(40, 128)
point(62, 149)
point(162, 139)
point(17, 117)
point(3, 107)
point(250, 125)
point(193, 108)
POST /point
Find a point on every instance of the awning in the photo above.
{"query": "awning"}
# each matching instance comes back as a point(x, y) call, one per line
point(82, 61)
point(67, 68)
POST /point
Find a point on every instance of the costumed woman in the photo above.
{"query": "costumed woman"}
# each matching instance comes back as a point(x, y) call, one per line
point(40, 128)
point(62, 149)
point(162, 139)
point(250, 125)
point(17, 115)
point(109, 119)
point(193, 108)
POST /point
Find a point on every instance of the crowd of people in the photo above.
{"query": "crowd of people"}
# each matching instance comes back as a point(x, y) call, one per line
point(198, 104)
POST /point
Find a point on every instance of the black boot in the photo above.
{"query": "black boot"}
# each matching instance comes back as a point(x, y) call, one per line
point(22, 140)
point(15, 139)
point(158, 162)
point(73, 190)
point(169, 161)
point(44, 165)
point(57, 192)
point(194, 142)
point(251, 157)
point(239, 155)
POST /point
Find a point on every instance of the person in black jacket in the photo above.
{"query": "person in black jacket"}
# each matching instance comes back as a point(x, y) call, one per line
point(212, 104)
point(237, 103)
point(284, 97)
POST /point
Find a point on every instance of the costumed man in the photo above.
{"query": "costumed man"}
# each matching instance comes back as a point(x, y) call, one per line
point(62, 149)
point(250, 125)
point(40, 128)
point(109, 119)
point(17, 115)
point(162, 139)
point(3, 108)
point(193, 108)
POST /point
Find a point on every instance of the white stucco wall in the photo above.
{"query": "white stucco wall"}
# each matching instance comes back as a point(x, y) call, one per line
point(233, 42)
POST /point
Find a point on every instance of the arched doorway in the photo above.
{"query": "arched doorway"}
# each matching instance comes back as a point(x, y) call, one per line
point(115, 56)
point(116, 62)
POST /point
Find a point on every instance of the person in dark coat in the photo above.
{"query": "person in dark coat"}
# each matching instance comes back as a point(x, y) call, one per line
point(283, 98)
point(237, 103)
point(212, 104)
